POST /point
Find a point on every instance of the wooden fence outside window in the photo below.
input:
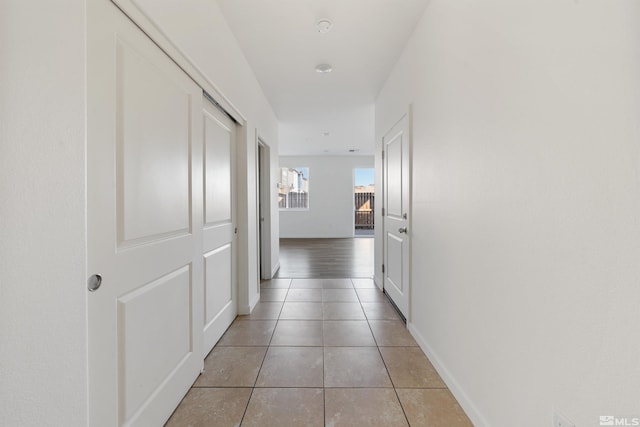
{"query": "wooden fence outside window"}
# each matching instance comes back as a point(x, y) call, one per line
point(364, 207)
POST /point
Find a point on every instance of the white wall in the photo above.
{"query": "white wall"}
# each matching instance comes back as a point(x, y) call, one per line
point(43, 343)
point(199, 30)
point(526, 201)
point(331, 209)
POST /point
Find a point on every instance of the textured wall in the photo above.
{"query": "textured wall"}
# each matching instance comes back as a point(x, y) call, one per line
point(526, 202)
point(43, 370)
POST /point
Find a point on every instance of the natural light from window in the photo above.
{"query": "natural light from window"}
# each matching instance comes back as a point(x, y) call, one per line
point(293, 189)
point(364, 198)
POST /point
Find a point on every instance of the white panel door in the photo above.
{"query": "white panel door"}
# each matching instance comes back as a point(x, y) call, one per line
point(396, 204)
point(220, 306)
point(144, 201)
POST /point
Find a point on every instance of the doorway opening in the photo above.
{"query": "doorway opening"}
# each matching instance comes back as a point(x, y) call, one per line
point(364, 201)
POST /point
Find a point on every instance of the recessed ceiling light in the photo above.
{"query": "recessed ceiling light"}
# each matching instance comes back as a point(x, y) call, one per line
point(324, 25)
point(325, 134)
point(323, 68)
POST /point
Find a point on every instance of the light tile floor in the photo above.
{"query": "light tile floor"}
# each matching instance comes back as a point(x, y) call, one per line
point(319, 352)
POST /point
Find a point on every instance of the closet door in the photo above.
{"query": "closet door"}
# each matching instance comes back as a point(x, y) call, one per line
point(220, 307)
point(144, 217)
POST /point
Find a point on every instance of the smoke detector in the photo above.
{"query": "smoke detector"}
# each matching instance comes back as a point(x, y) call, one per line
point(324, 25)
point(324, 68)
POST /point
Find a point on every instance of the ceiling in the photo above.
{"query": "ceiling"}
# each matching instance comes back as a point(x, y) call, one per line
point(331, 113)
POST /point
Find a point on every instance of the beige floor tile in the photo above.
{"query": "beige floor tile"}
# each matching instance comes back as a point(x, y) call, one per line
point(301, 311)
point(269, 294)
point(339, 295)
point(337, 284)
point(347, 333)
point(204, 407)
point(391, 333)
point(321, 284)
point(410, 368)
point(380, 311)
point(305, 295)
point(342, 311)
point(363, 283)
point(264, 311)
point(231, 367)
point(248, 332)
point(369, 407)
point(354, 367)
point(306, 284)
point(371, 295)
point(292, 367)
point(328, 335)
point(280, 407)
point(426, 408)
point(298, 333)
point(276, 284)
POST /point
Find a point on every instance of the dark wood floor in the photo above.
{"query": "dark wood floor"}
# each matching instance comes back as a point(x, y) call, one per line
point(326, 258)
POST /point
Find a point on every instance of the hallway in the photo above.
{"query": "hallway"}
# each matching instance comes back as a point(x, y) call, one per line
point(319, 352)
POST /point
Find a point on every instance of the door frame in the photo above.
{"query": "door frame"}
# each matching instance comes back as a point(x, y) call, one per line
point(135, 14)
point(264, 208)
point(409, 115)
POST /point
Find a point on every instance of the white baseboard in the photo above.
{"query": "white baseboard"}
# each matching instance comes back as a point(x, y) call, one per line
point(275, 269)
point(247, 309)
point(244, 310)
point(458, 392)
point(378, 281)
point(253, 303)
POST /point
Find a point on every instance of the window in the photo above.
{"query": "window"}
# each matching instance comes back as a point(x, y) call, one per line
point(293, 190)
point(364, 197)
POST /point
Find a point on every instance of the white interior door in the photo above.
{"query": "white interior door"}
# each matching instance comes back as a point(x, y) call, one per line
point(144, 191)
point(396, 174)
point(220, 306)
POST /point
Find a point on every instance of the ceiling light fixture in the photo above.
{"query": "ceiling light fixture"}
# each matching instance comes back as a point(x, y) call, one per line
point(324, 25)
point(323, 68)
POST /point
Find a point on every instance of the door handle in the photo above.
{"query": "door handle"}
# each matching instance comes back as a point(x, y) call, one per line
point(94, 282)
point(402, 230)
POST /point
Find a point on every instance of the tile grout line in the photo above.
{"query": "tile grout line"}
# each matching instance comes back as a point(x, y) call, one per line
point(324, 347)
point(393, 385)
point(324, 384)
point(368, 318)
point(246, 408)
point(317, 387)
